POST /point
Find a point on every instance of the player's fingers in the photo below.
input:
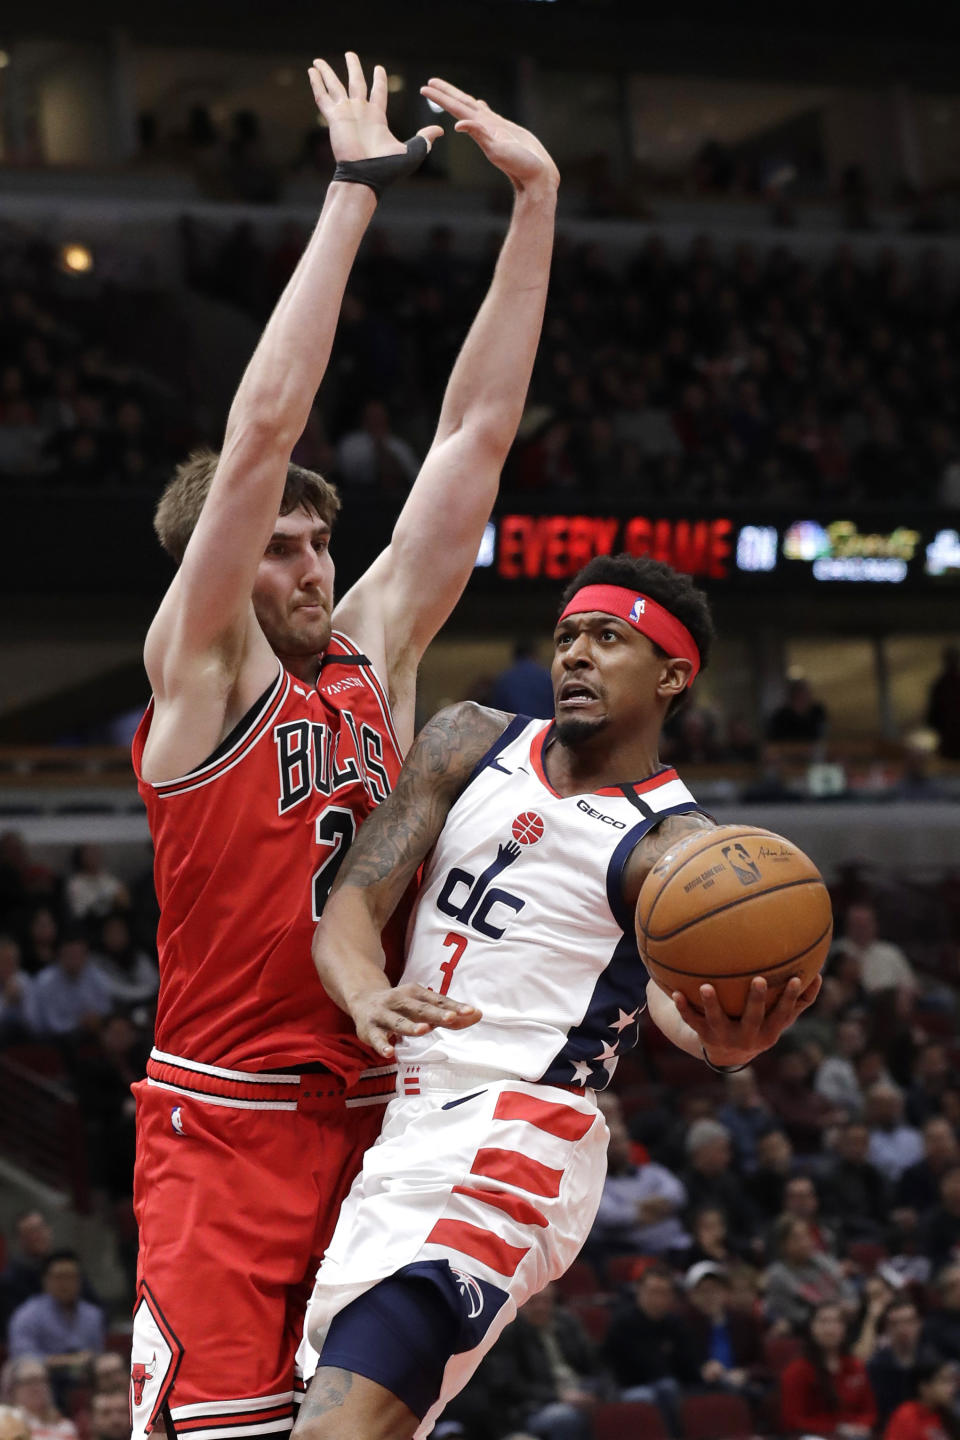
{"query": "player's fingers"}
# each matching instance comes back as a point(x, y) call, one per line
point(474, 129)
point(806, 997)
point(712, 1009)
point(378, 88)
point(317, 86)
point(356, 80)
point(462, 1021)
point(332, 80)
point(424, 995)
point(755, 1010)
point(452, 92)
point(431, 133)
point(688, 1014)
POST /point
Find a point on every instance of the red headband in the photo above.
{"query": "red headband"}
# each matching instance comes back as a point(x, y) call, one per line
point(644, 615)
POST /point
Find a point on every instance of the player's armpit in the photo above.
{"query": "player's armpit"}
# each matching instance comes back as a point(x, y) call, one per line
point(655, 844)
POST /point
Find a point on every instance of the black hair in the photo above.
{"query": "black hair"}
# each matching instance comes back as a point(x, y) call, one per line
point(825, 1384)
point(671, 589)
point(56, 1256)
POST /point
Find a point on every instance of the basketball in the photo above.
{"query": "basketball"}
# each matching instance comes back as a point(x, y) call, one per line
point(724, 905)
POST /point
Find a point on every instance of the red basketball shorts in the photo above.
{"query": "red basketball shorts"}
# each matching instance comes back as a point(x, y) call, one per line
point(237, 1187)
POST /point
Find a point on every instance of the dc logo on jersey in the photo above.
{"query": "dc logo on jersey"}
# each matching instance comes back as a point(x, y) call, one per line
point(639, 606)
point(471, 1292)
point(527, 828)
point(176, 1120)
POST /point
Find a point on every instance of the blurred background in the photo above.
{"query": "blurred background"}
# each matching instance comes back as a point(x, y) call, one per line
point(749, 368)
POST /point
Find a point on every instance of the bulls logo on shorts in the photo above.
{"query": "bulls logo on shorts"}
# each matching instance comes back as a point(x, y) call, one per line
point(527, 829)
point(155, 1359)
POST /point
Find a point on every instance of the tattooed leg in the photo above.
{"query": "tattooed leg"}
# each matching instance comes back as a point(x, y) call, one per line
point(339, 1405)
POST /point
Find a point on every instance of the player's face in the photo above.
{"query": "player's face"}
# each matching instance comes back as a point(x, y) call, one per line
point(293, 591)
point(606, 677)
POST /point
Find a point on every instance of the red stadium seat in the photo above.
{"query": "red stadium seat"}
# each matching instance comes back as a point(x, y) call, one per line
point(779, 1350)
point(580, 1279)
point(715, 1417)
point(595, 1319)
point(623, 1269)
point(628, 1420)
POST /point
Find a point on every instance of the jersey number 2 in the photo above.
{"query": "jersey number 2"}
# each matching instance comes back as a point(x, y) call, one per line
point(336, 828)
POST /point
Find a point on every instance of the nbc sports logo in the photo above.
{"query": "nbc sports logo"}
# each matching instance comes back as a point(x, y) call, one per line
point(639, 606)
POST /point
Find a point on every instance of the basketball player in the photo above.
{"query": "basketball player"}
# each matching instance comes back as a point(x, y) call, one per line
point(277, 724)
point(487, 1175)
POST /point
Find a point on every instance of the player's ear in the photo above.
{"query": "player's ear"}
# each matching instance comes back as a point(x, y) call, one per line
point(674, 677)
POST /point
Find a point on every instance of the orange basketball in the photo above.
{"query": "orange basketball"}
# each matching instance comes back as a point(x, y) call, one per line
point(724, 905)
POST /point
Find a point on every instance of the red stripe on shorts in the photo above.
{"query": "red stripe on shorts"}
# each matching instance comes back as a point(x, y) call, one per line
point(514, 1169)
point(560, 1120)
point(523, 1211)
point(479, 1244)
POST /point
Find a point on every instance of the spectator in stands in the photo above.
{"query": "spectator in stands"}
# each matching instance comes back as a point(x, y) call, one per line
point(42, 939)
point(939, 1237)
point(900, 1351)
point(711, 1179)
point(801, 1277)
point(110, 1374)
point(836, 1075)
point(931, 1074)
point(775, 1164)
point(857, 1194)
point(802, 1112)
point(800, 719)
point(880, 1288)
point(725, 1346)
point(23, 1276)
point(546, 1371)
point(103, 1078)
point(943, 704)
point(640, 1206)
point(942, 1326)
point(109, 1416)
point(58, 1326)
point(894, 1145)
point(801, 1199)
point(71, 995)
point(709, 1241)
point(14, 1423)
point(26, 1384)
point(645, 1347)
point(882, 965)
point(524, 687)
point(17, 1014)
point(132, 976)
point(826, 1391)
point(91, 890)
point(746, 1115)
point(374, 457)
point(932, 1415)
point(919, 1185)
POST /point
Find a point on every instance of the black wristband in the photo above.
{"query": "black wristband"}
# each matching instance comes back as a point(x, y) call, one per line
point(383, 170)
point(722, 1069)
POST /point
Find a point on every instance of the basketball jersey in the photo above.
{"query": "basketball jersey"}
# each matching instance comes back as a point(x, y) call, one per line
point(247, 848)
point(521, 913)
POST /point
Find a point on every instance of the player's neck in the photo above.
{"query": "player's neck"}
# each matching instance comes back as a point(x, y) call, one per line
point(301, 667)
point(594, 764)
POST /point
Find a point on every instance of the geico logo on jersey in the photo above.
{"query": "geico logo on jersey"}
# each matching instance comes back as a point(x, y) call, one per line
point(596, 815)
point(472, 900)
point(308, 754)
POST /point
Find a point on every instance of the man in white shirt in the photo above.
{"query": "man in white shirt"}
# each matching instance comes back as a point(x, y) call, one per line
point(883, 966)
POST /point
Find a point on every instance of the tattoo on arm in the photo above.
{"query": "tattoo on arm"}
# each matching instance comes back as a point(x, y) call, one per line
point(400, 832)
point(655, 845)
point(327, 1391)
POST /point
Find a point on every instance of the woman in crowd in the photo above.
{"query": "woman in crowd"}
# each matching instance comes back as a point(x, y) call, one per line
point(802, 1276)
point(826, 1392)
point(25, 1384)
point(931, 1416)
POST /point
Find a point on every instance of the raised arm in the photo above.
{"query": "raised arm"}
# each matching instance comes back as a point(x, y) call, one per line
point(205, 632)
point(381, 863)
point(390, 610)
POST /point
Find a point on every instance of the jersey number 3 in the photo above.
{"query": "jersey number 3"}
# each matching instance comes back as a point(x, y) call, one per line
point(336, 828)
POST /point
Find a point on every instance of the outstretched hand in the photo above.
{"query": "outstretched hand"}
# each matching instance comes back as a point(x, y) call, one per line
point(730, 1040)
point(383, 1016)
point(512, 149)
point(358, 121)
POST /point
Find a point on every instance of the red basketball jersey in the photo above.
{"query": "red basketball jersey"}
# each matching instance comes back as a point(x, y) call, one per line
point(247, 848)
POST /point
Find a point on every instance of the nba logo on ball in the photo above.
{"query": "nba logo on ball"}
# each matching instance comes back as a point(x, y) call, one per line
point(639, 606)
point(527, 828)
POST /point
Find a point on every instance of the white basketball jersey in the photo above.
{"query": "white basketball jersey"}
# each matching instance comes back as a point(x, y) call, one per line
point(521, 913)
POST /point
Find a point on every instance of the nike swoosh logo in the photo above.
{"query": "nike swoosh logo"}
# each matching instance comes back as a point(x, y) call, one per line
point(495, 765)
point(452, 1104)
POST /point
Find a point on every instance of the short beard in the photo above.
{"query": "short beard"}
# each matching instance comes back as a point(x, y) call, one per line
point(575, 731)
